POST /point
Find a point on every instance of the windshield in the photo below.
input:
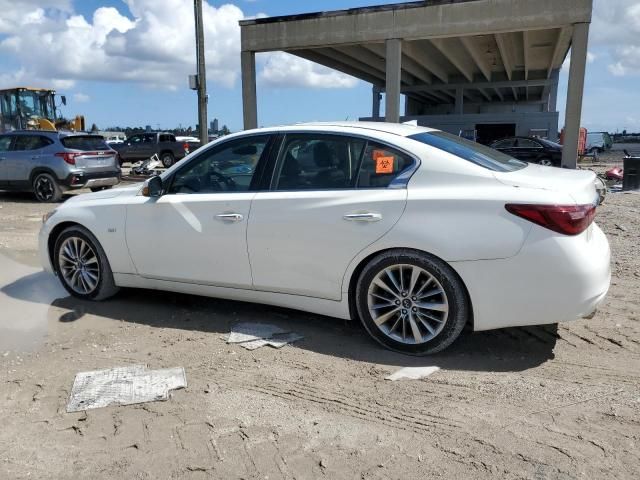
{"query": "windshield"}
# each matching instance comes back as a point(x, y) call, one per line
point(85, 142)
point(471, 151)
point(35, 103)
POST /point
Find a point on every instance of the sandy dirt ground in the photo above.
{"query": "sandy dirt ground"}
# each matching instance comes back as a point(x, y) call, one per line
point(553, 402)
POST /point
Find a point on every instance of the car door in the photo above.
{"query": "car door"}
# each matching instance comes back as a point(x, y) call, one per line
point(129, 150)
point(530, 150)
point(196, 231)
point(148, 146)
point(331, 196)
point(5, 146)
point(505, 146)
point(27, 153)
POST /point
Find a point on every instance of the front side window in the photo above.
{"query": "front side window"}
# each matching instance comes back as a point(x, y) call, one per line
point(149, 138)
point(229, 167)
point(318, 162)
point(506, 143)
point(471, 151)
point(526, 143)
point(135, 139)
point(5, 143)
point(31, 142)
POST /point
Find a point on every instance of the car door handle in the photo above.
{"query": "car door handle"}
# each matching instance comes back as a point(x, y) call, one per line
point(363, 217)
point(230, 217)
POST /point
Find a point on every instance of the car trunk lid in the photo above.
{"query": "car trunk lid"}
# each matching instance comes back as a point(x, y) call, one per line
point(90, 153)
point(579, 184)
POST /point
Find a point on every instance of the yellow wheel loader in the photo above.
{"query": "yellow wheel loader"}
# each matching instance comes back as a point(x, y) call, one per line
point(24, 108)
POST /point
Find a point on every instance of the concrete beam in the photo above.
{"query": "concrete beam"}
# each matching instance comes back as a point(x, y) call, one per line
point(378, 52)
point(476, 85)
point(459, 105)
point(575, 89)
point(445, 46)
point(515, 93)
point(501, 40)
point(411, 21)
point(476, 52)
point(560, 49)
point(393, 80)
point(525, 48)
point(317, 57)
point(249, 99)
point(500, 96)
point(413, 51)
point(484, 93)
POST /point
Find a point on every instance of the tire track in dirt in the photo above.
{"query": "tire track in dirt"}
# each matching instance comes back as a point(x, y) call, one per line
point(416, 421)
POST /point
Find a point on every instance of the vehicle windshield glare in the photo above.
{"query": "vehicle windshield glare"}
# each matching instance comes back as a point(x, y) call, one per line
point(471, 151)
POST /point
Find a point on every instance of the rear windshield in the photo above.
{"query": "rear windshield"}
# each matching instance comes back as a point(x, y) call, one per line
point(473, 152)
point(84, 142)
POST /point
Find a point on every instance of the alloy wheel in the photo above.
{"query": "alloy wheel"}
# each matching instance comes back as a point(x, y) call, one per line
point(79, 265)
point(408, 304)
point(44, 189)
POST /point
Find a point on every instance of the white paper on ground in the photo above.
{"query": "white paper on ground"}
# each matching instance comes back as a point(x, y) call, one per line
point(123, 386)
point(412, 373)
point(248, 332)
point(277, 341)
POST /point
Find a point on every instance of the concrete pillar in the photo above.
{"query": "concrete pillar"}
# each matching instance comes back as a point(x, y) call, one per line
point(459, 105)
point(575, 90)
point(392, 88)
point(551, 104)
point(375, 107)
point(249, 100)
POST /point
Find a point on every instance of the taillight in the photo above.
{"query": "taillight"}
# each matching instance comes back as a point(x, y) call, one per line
point(186, 147)
point(564, 219)
point(70, 158)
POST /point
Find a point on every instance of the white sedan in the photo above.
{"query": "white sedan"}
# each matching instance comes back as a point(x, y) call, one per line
point(413, 231)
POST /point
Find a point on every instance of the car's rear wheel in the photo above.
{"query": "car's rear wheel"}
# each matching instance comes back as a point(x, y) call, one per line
point(547, 162)
point(46, 189)
point(167, 159)
point(82, 265)
point(411, 302)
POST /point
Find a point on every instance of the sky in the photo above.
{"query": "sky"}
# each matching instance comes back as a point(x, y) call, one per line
point(126, 62)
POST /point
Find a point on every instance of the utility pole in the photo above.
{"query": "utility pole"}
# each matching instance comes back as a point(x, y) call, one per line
point(202, 75)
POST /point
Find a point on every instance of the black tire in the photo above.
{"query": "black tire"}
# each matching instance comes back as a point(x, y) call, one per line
point(452, 287)
point(105, 286)
point(546, 162)
point(46, 188)
point(99, 189)
point(167, 159)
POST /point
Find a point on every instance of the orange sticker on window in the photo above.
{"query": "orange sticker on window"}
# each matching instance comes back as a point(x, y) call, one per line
point(384, 165)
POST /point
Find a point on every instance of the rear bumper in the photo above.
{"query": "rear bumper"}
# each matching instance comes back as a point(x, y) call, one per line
point(90, 180)
point(553, 279)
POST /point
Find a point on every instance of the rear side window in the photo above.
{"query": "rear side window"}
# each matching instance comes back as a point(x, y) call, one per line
point(84, 142)
point(381, 165)
point(473, 152)
point(166, 138)
point(31, 142)
point(507, 143)
point(318, 162)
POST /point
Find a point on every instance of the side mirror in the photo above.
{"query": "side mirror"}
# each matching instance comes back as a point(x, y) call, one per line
point(152, 187)
point(64, 99)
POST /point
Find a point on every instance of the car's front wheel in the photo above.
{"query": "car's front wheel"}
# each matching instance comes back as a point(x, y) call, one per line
point(82, 265)
point(547, 162)
point(411, 302)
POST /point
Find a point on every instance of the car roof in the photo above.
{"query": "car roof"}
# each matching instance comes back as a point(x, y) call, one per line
point(401, 129)
point(52, 133)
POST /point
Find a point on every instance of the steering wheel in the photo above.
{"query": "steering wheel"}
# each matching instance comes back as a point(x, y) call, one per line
point(223, 178)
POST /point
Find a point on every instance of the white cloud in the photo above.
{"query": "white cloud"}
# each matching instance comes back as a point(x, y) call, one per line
point(81, 97)
point(155, 49)
point(616, 25)
point(285, 70)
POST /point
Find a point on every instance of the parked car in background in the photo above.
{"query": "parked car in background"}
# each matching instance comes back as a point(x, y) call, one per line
point(145, 145)
point(531, 149)
point(114, 139)
point(49, 162)
point(598, 142)
point(414, 231)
